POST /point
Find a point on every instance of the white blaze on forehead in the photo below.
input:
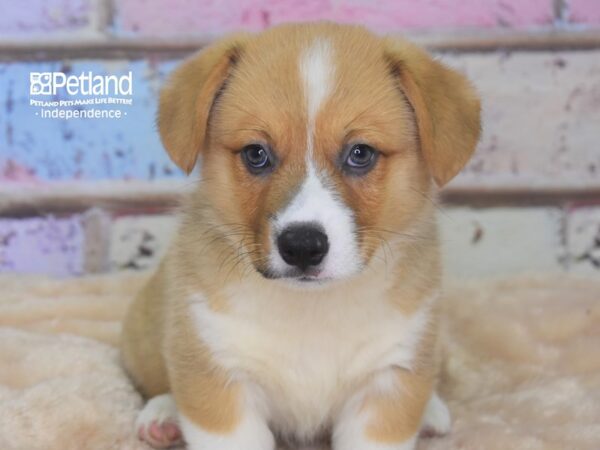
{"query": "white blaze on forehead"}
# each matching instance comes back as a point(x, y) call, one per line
point(316, 202)
point(317, 71)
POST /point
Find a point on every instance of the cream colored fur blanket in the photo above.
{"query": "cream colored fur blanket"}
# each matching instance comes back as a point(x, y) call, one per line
point(522, 365)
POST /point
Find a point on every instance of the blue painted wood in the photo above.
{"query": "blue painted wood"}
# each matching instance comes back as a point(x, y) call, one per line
point(89, 149)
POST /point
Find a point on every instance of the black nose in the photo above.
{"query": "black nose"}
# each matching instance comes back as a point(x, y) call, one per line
point(302, 245)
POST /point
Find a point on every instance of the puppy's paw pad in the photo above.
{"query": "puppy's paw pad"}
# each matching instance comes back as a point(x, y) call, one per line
point(437, 421)
point(160, 435)
point(157, 423)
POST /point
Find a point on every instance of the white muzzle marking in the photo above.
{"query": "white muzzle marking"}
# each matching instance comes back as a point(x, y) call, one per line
point(316, 202)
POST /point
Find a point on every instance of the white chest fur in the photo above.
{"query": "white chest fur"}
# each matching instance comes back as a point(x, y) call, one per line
point(307, 350)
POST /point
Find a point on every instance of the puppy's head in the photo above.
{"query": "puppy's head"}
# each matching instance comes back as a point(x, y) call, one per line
point(318, 142)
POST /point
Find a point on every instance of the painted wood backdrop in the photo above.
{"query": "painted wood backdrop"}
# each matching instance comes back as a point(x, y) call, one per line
point(85, 195)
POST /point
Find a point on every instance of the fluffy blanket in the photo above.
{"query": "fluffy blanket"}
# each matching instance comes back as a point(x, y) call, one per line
point(521, 371)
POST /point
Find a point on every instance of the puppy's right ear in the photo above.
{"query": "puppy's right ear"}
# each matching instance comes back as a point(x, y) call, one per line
point(187, 99)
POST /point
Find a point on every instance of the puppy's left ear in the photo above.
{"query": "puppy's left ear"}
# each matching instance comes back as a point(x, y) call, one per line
point(446, 106)
point(188, 96)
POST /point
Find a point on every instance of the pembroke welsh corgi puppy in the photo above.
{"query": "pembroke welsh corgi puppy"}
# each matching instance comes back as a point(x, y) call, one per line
point(298, 302)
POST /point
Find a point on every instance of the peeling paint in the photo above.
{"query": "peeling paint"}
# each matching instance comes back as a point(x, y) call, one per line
point(45, 16)
point(140, 242)
point(540, 118)
point(14, 172)
point(92, 149)
point(48, 245)
point(584, 11)
point(501, 241)
point(210, 17)
point(583, 238)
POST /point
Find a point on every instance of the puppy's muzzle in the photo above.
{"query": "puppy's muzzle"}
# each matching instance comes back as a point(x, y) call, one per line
point(303, 245)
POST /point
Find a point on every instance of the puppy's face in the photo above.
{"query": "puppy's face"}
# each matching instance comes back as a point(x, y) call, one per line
point(313, 148)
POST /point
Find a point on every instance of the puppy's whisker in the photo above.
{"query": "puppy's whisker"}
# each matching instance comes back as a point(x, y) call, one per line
point(431, 200)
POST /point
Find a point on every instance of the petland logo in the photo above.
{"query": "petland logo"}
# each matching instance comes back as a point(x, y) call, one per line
point(83, 96)
point(52, 83)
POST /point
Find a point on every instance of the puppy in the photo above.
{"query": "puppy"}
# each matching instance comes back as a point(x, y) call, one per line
point(299, 299)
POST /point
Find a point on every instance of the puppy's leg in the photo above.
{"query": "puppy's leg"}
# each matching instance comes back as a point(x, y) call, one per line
point(157, 423)
point(217, 415)
point(141, 339)
point(250, 434)
point(436, 421)
point(386, 415)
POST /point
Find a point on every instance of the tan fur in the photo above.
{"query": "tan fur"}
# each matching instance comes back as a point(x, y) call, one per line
point(224, 237)
point(193, 376)
point(143, 336)
point(396, 417)
point(446, 106)
point(186, 101)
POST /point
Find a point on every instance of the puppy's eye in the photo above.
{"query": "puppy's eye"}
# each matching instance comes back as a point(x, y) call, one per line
point(360, 159)
point(257, 158)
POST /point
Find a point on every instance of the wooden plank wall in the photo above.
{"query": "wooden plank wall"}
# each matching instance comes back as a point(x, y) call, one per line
point(81, 196)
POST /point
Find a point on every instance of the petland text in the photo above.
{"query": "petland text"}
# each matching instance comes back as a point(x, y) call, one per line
point(86, 83)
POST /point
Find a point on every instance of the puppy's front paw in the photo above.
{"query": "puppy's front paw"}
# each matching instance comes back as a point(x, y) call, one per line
point(251, 433)
point(157, 422)
point(436, 421)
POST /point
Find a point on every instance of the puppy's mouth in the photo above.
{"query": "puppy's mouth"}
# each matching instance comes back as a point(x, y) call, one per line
point(308, 279)
point(310, 276)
